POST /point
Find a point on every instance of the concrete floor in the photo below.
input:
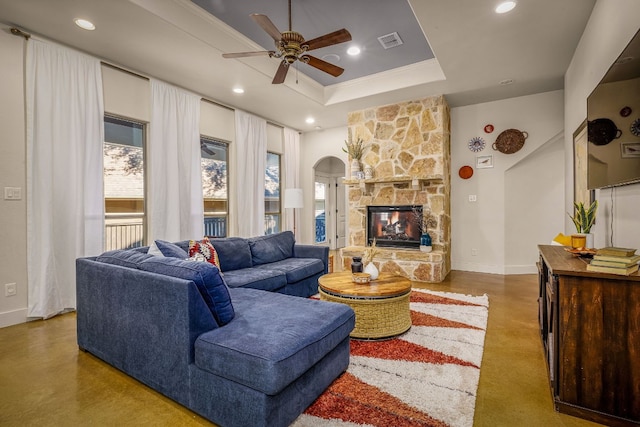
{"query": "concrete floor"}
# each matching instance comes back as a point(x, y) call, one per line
point(46, 381)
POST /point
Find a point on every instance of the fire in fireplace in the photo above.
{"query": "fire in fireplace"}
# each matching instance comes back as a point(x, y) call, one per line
point(394, 226)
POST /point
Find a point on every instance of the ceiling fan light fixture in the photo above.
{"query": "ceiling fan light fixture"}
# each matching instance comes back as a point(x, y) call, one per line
point(292, 47)
point(505, 6)
point(353, 51)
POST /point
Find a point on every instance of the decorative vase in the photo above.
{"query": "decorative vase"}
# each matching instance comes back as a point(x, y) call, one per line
point(355, 168)
point(372, 270)
point(368, 172)
point(356, 264)
point(425, 243)
point(589, 244)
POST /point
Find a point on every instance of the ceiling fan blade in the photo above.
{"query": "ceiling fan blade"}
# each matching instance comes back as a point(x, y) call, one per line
point(244, 54)
point(267, 25)
point(281, 73)
point(330, 39)
point(321, 65)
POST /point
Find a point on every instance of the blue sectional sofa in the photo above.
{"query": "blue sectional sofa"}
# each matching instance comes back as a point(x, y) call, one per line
point(236, 355)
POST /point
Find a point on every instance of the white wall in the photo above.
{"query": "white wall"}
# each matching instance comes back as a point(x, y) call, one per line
point(315, 146)
point(520, 200)
point(13, 213)
point(611, 25)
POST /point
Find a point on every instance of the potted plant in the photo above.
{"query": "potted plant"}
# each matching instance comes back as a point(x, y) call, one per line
point(369, 253)
point(583, 219)
point(354, 150)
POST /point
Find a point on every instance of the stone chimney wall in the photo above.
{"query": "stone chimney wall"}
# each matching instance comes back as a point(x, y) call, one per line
point(408, 147)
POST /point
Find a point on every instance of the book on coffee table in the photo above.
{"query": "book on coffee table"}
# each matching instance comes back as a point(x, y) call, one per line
point(613, 270)
point(613, 251)
point(614, 263)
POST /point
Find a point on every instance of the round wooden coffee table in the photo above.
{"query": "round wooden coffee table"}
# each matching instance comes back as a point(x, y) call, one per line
point(381, 306)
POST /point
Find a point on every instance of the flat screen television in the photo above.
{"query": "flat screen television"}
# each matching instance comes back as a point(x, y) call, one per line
point(613, 123)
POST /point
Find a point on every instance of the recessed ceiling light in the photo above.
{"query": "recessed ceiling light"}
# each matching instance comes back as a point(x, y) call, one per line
point(505, 6)
point(506, 82)
point(331, 57)
point(84, 24)
point(353, 50)
point(310, 120)
point(238, 90)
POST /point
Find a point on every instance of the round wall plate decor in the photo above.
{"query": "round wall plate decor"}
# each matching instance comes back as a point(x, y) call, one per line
point(488, 128)
point(626, 111)
point(465, 172)
point(476, 144)
point(635, 127)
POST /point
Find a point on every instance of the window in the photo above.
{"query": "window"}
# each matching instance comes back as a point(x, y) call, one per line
point(214, 186)
point(272, 194)
point(123, 183)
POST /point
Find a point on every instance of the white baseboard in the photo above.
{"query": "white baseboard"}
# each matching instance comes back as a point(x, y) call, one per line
point(494, 269)
point(477, 267)
point(9, 318)
point(521, 269)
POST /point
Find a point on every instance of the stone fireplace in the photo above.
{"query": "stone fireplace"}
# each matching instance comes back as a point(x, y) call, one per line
point(407, 146)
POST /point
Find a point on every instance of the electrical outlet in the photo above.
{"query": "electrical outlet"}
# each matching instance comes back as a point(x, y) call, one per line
point(473, 198)
point(474, 252)
point(10, 289)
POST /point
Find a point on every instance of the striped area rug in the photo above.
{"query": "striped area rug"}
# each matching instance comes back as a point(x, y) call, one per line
point(426, 377)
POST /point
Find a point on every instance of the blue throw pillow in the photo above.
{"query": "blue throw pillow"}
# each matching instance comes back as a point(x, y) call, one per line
point(207, 278)
point(271, 248)
point(123, 257)
point(171, 250)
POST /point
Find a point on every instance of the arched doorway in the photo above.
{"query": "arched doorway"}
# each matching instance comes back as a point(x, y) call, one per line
point(330, 212)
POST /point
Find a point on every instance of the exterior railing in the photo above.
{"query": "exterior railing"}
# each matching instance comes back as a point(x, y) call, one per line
point(215, 226)
point(124, 231)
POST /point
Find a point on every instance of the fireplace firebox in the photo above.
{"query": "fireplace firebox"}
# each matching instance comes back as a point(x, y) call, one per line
point(394, 226)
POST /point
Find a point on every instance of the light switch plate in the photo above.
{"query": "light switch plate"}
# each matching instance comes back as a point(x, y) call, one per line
point(12, 193)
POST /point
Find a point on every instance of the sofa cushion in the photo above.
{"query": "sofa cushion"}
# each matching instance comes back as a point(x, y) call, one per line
point(270, 342)
point(256, 278)
point(206, 249)
point(123, 258)
point(296, 269)
point(207, 278)
point(233, 253)
point(271, 248)
point(169, 249)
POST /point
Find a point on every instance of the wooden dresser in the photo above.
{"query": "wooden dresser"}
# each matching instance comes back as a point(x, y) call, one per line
point(590, 328)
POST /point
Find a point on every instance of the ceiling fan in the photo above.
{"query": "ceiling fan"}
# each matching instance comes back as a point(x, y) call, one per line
point(292, 47)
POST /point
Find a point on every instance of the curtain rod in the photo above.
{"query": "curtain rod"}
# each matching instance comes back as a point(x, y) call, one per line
point(116, 67)
point(18, 32)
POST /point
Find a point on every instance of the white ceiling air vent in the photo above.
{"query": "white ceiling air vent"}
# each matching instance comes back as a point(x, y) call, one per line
point(390, 40)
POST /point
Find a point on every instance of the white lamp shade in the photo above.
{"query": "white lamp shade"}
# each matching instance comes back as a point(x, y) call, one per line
point(293, 198)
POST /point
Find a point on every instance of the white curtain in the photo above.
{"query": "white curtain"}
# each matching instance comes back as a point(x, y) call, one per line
point(176, 210)
point(291, 173)
point(65, 202)
point(250, 164)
